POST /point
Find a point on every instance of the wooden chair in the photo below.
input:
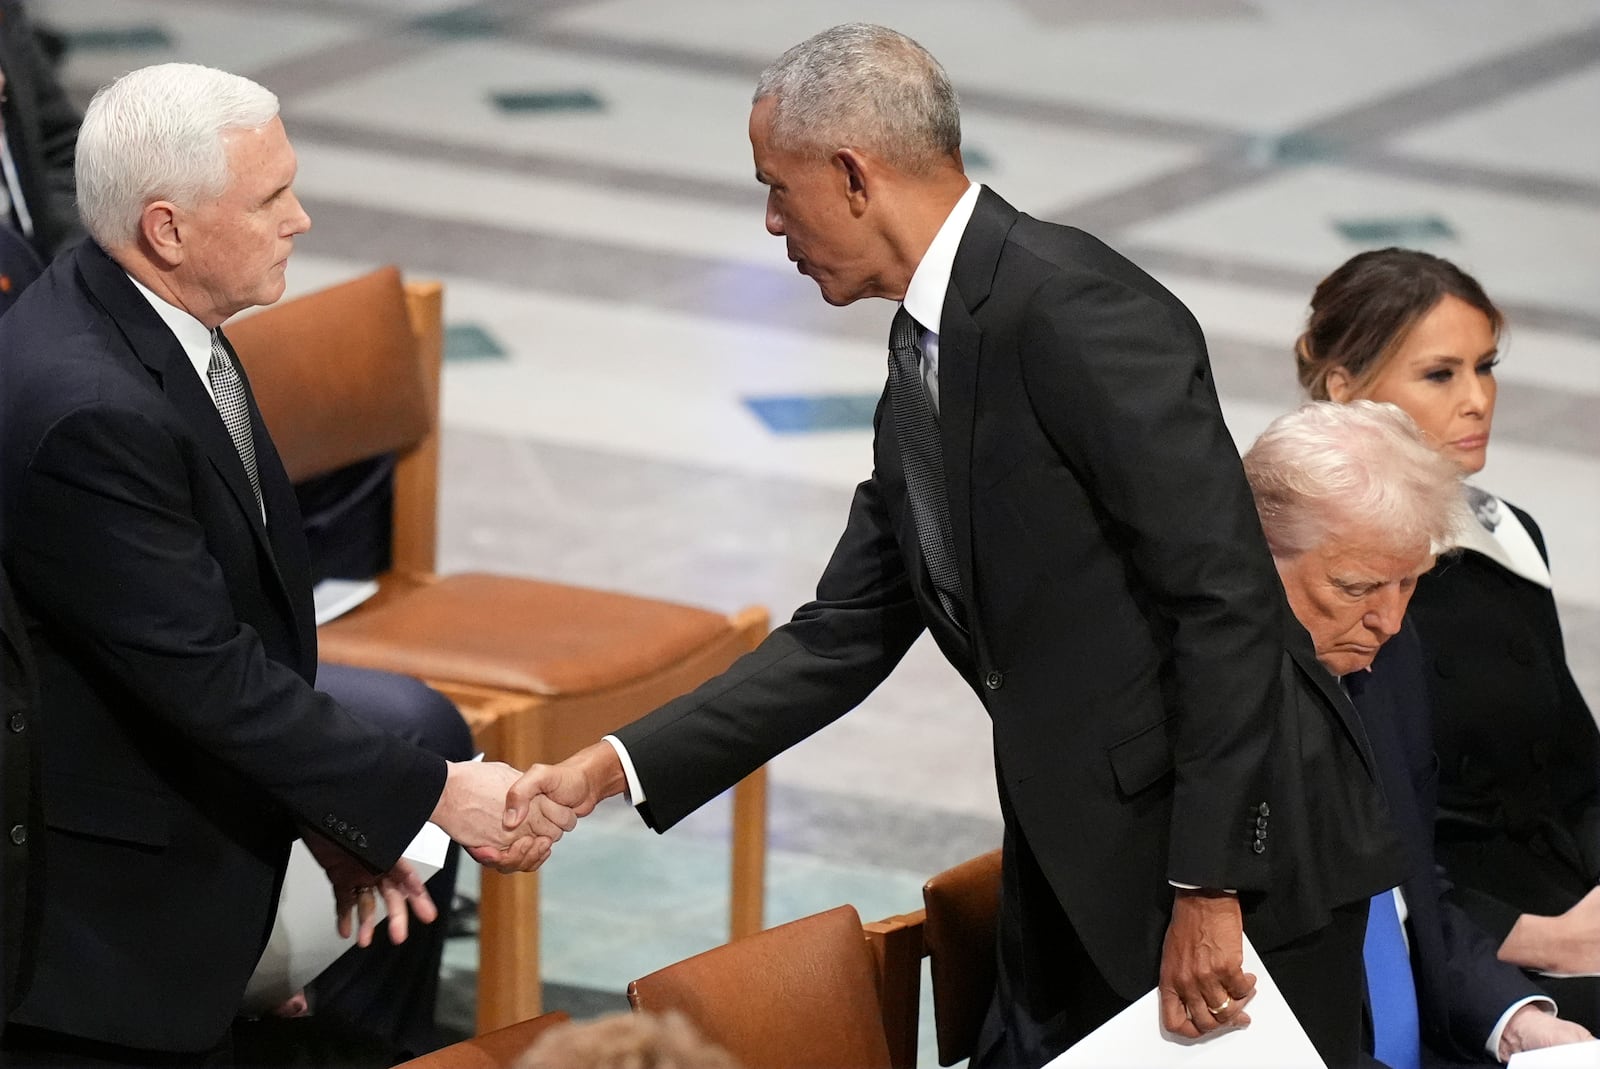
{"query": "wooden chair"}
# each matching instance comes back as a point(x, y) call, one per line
point(955, 931)
point(802, 995)
point(538, 669)
point(500, 1049)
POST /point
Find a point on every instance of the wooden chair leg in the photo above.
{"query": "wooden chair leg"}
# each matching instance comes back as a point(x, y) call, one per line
point(509, 987)
point(749, 861)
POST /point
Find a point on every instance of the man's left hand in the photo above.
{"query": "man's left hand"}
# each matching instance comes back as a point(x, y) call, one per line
point(1203, 982)
point(355, 890)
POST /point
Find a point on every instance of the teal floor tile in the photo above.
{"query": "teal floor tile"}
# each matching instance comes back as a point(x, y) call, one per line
point(555, 100)
point(817, 412)
point(469, 341)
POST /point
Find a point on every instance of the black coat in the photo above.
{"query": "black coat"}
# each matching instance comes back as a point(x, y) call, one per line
point(1519, 753)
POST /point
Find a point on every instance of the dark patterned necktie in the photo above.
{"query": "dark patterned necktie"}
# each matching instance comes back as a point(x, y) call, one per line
point(228, 392)
point(917, 431)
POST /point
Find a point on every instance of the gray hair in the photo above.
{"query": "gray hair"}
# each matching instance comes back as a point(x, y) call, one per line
point(864, 86)
point(157, 134)
point(1326, 469)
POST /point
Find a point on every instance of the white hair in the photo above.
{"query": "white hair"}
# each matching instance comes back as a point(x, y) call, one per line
point(157, 134)
point(864, 86)
point(1326, 470)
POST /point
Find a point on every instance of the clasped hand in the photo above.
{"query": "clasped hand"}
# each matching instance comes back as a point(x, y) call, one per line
point(476, 811)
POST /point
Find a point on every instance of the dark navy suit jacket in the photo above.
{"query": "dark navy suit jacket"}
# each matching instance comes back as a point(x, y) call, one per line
point(1462, 987)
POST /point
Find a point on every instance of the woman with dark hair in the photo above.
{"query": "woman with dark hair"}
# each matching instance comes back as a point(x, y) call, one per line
point(1518, 829)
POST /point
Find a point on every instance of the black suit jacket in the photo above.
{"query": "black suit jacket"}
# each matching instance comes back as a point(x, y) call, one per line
point(20, 818)
point(1519, 753)
point(182, 740)
point(41, 127)
point(1462, 987)
point(1124, 612)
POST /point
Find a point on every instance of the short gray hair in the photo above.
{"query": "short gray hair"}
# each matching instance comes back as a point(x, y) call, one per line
point(864, 86)
point(157, 134)
point(1326, 469)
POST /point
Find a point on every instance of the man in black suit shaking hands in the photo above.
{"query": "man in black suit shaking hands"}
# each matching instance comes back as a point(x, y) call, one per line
point(1055, 497)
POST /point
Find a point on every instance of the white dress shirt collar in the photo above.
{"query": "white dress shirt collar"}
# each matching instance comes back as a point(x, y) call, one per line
point(925, 295)
point(193, 335)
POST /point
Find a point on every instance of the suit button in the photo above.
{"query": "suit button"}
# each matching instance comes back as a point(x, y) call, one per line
point(329, 821)
point(19, 834)
point(1264, 810)
point(994, 680)
point(1445, 665)
point(342, 827)
point(1259, 847)
point(1521, 651)
point(1261, 823)
point(361, 840)
point(17, 722)
point(1261, 834)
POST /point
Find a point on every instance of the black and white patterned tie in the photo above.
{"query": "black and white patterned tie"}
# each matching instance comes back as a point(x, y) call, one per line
point(228, 391)
point(917, 431)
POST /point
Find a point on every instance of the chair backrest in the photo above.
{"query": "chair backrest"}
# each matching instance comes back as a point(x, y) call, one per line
point(500, 1049)
point(961, 907)
point(802, 995)
point(349, 373)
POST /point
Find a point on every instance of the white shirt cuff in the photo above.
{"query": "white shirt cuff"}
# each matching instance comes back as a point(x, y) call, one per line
point(635, 792)
point(1499, 1032)
point(1196, 887)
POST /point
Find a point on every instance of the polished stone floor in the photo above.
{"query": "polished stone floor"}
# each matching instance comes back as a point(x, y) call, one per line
point(642, 396)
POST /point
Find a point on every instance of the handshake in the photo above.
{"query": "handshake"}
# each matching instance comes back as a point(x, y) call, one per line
point(511, 821)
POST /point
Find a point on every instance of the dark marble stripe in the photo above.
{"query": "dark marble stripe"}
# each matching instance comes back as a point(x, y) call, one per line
point(1160, 261)
point(719, 289)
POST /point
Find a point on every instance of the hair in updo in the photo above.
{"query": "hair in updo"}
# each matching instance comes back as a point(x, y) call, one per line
point(1362, 313)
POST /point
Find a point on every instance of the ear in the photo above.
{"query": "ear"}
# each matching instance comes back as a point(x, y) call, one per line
point(159, 227)
point(857, 173)
point(1341, 387)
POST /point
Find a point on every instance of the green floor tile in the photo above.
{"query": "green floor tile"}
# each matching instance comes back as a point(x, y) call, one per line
point(468, 341)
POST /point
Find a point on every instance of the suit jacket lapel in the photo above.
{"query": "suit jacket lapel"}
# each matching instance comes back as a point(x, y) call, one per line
point(960, 342)
point(153, 343)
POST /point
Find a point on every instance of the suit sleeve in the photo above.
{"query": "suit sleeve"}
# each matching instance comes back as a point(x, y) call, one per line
point(804, 676)
point(1122, 385)
point(111, 556)
point(1477, 986)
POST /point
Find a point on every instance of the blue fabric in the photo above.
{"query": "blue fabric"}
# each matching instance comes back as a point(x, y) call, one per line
point(1397, 1038)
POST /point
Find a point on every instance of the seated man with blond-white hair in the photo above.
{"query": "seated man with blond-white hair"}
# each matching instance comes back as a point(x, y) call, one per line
point(1355, 505)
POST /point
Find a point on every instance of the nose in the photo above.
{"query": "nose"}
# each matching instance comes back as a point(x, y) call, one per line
point(299, 220)
point(1477, 395)
point(774, 220)
point(1388, 609)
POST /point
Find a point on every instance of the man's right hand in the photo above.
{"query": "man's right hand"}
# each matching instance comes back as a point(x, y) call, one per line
point(576, 785)
point(472, 810)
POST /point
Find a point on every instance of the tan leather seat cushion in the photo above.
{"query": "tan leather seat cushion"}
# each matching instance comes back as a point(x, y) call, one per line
point(521, 634)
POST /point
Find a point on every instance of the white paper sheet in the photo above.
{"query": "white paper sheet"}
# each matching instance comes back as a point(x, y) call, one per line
point(304, 938)
point(1134, 1039)
point(332, 598)
point(1571, 1056)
